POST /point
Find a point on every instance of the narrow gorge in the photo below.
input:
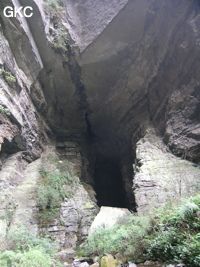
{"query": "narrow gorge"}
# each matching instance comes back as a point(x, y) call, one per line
point(99, 100)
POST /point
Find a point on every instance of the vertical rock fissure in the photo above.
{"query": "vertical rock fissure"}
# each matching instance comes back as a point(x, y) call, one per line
point(108, 182)
point(111, 172)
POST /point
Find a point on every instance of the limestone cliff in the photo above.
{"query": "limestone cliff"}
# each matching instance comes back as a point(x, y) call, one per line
point(110, 88)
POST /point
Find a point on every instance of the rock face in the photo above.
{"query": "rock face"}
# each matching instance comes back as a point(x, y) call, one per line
point(161, 177)
point(86, 20)
point(107, 217)
point(86, 81)
point(20, 204)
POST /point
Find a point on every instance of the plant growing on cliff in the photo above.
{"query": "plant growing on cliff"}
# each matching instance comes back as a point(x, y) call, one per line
point(54, 187)
point(60, 41)
point(4, 110)
point(59, 34)
point(53, 7)
point(8, 77)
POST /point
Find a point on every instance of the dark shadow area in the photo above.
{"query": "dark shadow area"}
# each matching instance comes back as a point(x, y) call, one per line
point(108, 183)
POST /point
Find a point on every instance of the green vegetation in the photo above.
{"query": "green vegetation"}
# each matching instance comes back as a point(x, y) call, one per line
point(4, 110)
point(178, 239)
point(60, 41)
point(59, 33)
point(8, 77)
point(169, 237)
point(53, 7)
point(127, 238)
point(22, 248)
point(54, 187)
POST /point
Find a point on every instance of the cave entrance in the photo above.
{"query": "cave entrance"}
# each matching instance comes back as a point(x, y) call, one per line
point(108, 183)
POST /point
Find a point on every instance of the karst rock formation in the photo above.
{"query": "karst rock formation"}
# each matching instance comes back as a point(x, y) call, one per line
point(109, 90)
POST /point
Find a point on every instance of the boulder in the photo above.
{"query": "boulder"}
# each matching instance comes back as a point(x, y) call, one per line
point(107, 217)
point(109, 261)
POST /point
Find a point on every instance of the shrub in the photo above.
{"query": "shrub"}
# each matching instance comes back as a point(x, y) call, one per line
point(178, 240)
point(128, 238)
point(52, 190)
point(53, 7)
point(22, 239)
point(4, 110)
point(168, 237)
point(187, 211)
point(21, 248)
point(60, 41)
point(31, 258)
point(35, 258)
point(9, 77)
point(9, 258)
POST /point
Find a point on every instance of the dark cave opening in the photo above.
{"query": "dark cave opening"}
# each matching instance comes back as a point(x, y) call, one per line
point(108, 183)
point(111, 165)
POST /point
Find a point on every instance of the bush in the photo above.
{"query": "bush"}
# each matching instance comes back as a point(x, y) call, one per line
point(53, 7)
point(168, 237)
point(127, 237)
point(4, 110)
point(22, 240)
point(55, 186)
point(35, 258)
point(22, 248)
point(9, 77)
point(178, 240)
point(31, 258)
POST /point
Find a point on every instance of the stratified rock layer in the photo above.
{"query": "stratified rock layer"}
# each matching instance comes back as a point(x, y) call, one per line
point(160, 177)
point(124, 66)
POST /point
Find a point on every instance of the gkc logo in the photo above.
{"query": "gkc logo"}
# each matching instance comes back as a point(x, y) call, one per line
point(11, 12)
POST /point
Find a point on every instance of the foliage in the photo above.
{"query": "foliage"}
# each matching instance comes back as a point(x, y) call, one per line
point(54, 187)
point(59, 32)
point(31, 258)
point(53, 7)
point(60, 41)
point(22, 239)
point(22, 248)
point(4, 110)
point(127, 237)
point(52, 190)
point(9, 77)
point(178, 240)
point(35, 258)
point(169, 236)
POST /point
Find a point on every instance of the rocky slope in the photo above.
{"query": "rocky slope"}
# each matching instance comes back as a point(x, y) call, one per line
point(112, 88)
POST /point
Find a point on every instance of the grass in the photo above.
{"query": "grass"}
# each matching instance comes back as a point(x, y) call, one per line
point(23, 248)
point(54, 187)
point(169, 237)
